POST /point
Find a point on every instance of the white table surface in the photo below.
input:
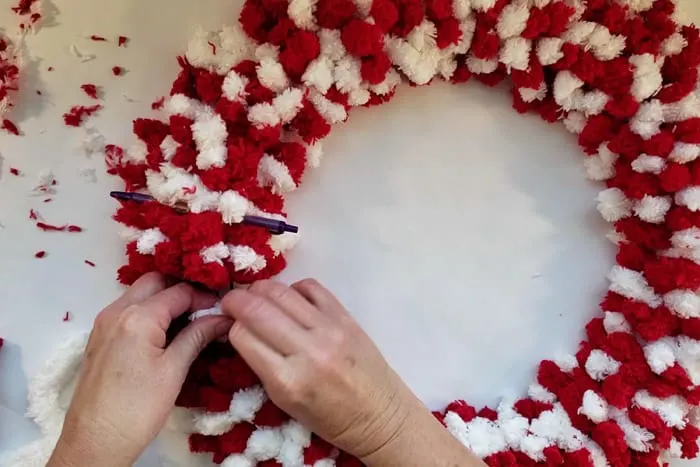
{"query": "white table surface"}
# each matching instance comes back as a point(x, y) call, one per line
point(469, 254)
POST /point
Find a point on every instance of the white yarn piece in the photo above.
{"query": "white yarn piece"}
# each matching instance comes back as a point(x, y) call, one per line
point(613, 205)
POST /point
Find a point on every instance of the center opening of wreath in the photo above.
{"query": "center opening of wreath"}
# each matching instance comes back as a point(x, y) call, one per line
point(462, 235)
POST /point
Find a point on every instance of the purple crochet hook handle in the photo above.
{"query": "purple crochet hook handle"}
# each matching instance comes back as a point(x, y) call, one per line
point(275, 227)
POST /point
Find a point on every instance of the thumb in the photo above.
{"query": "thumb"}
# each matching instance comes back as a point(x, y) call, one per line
point(187, 345)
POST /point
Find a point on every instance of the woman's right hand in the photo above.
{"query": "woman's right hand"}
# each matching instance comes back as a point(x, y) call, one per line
point(318, 365)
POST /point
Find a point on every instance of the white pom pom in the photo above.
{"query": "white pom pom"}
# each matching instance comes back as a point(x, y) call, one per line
point(539, 393)
point(319, 74)
point(660, 355)
point(549, 50)
point(137, 153)
point(513, 19)
point(288, 104)
point(272, 75)
point(264, 443)
point(647, 76)
point(331, 44)
point(169, 147)
point(632, 284)
point(329, 110)
point(212, 424)
point(263, 114)
point(652, 209)
point(515, 53)
point(600, 365)
point(210, 134)
point(302, 13)
point(613, 205)
point(673, 44)
point(564, 86)
point(615, 322)
point(246, 402)
point(237, 460)
point(246, 258)
point(684, 152)
point(689, 197)
point(649, 164)
point(314, 154)
point(683, 303)
point(601, 166)
point(233, 86)
point(594, 407)
point(575, 122)
point(149, 239)
point(215, 253)
point(461, 9)
point(232, 206)
point(275, 174)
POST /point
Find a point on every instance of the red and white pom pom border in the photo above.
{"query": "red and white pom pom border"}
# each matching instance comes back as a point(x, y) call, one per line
point(246, 117)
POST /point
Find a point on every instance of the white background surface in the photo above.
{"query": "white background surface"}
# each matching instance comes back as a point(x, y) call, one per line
point(463, 236)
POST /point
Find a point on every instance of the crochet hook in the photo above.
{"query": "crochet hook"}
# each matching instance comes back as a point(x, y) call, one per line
point(274, 226)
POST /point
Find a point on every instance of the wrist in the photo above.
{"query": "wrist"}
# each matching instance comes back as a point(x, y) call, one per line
point(75, 449)
point(419, 441)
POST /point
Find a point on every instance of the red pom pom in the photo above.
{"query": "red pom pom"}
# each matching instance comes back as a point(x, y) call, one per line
point(362, 39)
point(202, 443)
point(448, 33)
point(559, 14)
point(235, 440)
point(438, 10)
point(375, 68)
point(333, 14)
point(385, 14)
point(537, 24)
point(150, 131)
point(215, 400)
point(411, 14)
point(181, 129)
point(310, 125)
point(208, 85)
point(253, 18)
point(317, 450)
point(302, 47)
point(486, 43)
point(270, 415)
point(531, 409)
point(465, 411)
point(675, 177)
point(488, 413)
point(611, 439)
point(185, 157)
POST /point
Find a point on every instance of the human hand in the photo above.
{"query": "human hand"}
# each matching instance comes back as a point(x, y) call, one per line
point(129, 380)
point(318, 365)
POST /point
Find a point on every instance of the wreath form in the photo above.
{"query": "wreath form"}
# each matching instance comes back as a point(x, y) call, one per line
point(245, 119)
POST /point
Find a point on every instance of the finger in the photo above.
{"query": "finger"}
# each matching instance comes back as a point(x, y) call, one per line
point(169, 304)
point(262, 358)
point(320, 297)
point(291, 302)
point(266, 319)
point(201, 300)
point(188, 344)
point(145, 287)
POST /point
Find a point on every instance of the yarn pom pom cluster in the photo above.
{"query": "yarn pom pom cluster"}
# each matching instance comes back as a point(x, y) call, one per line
point(246, 117)
point(9, 76)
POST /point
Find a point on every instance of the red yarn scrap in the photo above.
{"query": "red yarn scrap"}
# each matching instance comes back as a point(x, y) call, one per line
point(122, 41)
point(76, 114)
point(59, 228)
point(40, 254)
point(91, 90)
point(97, 38)
point(10, 127)
point(117, 71)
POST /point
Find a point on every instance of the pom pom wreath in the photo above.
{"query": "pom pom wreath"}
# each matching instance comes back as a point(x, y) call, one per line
point(245, 119)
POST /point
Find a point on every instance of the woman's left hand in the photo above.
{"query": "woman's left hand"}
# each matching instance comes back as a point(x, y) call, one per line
point(129, 380)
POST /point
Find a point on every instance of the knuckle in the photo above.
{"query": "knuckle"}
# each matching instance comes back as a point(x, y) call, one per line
point(290, 392)
point(152, 280)
point(269, 288)
point(309, 284)
point(131, 321)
